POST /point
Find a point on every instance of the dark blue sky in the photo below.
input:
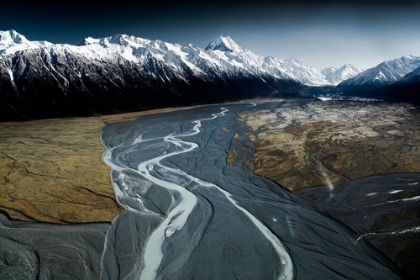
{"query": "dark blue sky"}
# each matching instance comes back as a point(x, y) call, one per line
point(320, 33)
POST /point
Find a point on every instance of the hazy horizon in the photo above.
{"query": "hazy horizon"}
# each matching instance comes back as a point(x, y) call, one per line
point(320, 34)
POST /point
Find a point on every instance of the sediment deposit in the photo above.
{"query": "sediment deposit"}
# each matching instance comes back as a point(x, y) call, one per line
point(322, 143)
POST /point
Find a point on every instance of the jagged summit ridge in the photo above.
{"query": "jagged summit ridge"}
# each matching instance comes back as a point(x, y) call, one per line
point(11, 36)
point(11, 41)
point(221, 55)
point(223, 43)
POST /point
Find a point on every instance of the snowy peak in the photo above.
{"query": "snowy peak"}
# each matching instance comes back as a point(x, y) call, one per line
point(11, 38)
point(11, 42)
point(349, 67)
point(88, 41)
point(223, 44)
point(337, 75)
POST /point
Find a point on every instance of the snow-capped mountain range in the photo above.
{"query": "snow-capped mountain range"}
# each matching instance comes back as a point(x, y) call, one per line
point(222, 54)
point(385, 73)
point(11, 42)
point(121, 73)
point(124, 73)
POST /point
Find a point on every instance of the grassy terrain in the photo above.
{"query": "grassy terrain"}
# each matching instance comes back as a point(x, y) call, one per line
point(51, 170)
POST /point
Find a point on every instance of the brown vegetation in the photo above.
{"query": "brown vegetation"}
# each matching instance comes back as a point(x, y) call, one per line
point(325, 142)
point(52, 171)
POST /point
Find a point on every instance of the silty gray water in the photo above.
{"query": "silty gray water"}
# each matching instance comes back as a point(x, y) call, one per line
point(189, 215)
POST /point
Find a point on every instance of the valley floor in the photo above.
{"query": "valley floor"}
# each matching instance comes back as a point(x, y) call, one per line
point(358, 162)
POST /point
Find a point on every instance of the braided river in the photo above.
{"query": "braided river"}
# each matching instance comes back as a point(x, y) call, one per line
point(190, 215)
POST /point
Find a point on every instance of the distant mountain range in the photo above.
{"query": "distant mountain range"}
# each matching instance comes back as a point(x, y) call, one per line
point(384, 74)
point(123, 73)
